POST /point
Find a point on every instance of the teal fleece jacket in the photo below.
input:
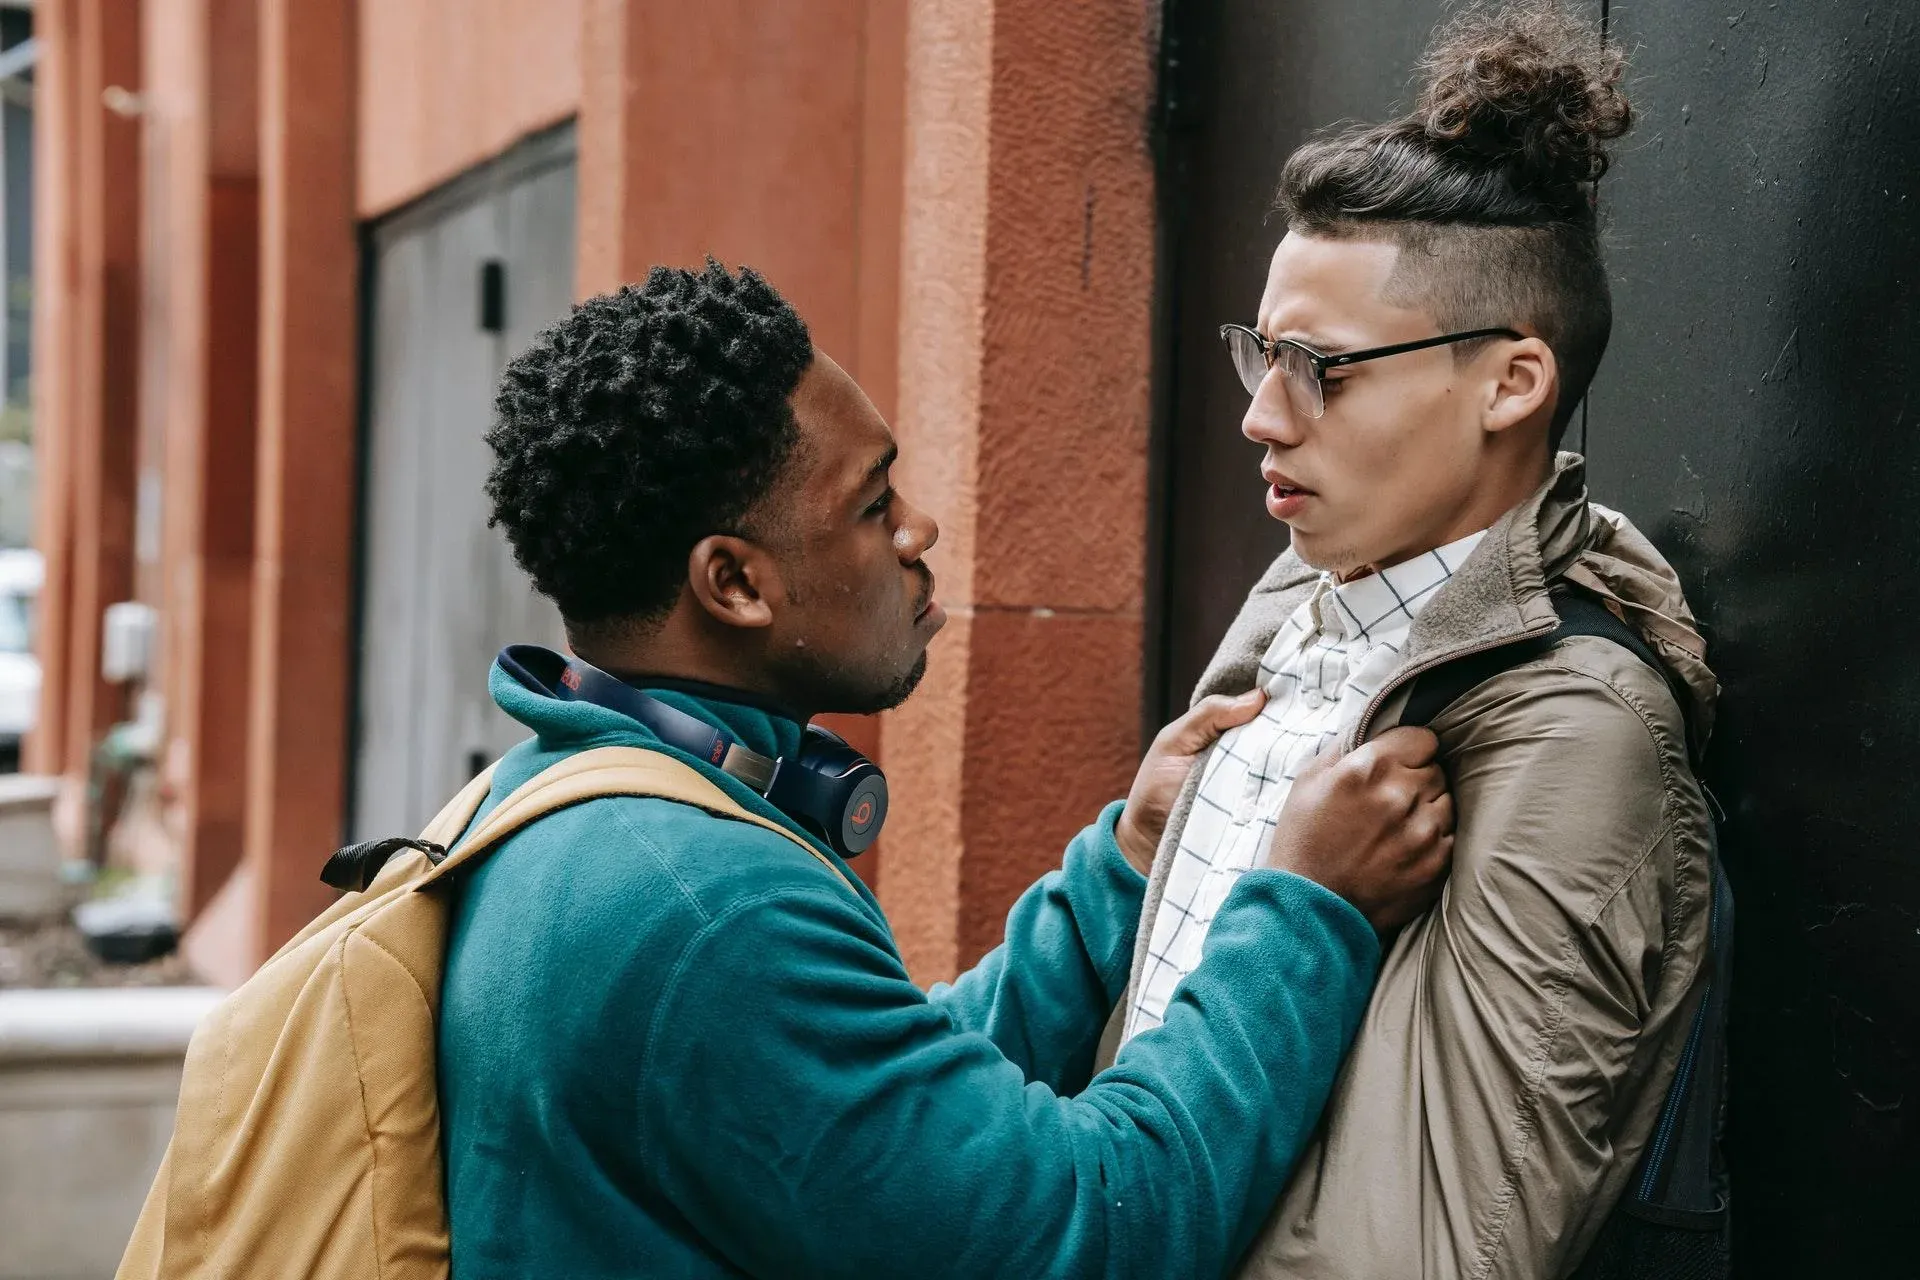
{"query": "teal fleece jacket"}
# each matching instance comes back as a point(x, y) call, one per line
point(673, 1044)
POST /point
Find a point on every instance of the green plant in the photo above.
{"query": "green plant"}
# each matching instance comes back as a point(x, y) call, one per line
point(16, 421)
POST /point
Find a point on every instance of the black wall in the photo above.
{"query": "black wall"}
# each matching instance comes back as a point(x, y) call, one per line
point(1755, 416)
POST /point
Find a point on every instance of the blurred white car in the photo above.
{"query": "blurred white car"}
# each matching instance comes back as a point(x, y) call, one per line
point(21, 573)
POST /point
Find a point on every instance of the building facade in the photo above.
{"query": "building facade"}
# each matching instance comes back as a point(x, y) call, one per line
point(290, 243)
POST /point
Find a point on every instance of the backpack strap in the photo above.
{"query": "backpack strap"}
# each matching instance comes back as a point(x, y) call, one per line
point(1580, 615)
point(353, 869)
point(588, 775)
point(459, 812)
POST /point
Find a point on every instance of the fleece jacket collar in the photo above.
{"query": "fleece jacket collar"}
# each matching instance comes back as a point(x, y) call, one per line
point(564, 728)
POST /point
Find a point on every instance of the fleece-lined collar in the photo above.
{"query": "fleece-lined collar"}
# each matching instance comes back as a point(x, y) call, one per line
point(564, 727)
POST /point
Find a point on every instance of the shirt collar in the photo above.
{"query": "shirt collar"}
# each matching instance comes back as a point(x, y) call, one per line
point(1382, 606)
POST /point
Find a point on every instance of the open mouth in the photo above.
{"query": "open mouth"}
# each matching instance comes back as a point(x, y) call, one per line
point(1285, 499)
point(1283, 486)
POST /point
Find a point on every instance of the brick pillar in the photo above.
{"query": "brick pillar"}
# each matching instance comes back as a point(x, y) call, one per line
point(203, 110)
point(307, 414)
point(95, 420)
point(1027, 281)
point(55, 286)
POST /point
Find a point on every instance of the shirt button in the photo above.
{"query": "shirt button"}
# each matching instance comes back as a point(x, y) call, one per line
point(1312, 698)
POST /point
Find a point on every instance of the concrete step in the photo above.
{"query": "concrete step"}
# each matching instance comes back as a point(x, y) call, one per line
point(88, 1084)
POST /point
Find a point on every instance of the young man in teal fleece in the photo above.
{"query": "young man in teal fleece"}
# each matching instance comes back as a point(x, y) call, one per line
point(672, 1044)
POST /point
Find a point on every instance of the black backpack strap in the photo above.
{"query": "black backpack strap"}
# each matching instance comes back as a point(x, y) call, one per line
point(1580, 615)
point(1436, 690)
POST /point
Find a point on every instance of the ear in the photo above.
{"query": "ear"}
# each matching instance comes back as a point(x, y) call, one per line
point(734, 580)
point(1525, 382)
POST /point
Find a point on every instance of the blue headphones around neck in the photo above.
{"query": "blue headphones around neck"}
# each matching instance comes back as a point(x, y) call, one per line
point(827, 787)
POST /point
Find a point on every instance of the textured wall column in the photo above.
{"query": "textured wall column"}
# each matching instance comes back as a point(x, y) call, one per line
point(765, 135)
point(1027, 280)
point(203, 114)
point(55, 288)
point(303, 533)
point(100, 419)
point(447, 84)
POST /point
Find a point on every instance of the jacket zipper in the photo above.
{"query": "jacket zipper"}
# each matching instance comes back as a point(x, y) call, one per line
point(1408, 675)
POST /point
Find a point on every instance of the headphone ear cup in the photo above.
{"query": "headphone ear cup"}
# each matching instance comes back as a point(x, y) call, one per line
point(865, 810)
point(834, 791)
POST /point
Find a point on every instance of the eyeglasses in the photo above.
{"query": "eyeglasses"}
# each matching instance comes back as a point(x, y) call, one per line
point(1306, 369)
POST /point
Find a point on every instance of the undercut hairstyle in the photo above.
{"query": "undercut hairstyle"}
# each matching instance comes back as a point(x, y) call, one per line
point(1487, 185)
point(638, 424)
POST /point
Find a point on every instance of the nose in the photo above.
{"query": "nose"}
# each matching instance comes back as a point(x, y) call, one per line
point(1271, 418)
point(916, 532)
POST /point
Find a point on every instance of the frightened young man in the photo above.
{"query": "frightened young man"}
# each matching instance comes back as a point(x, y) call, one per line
point(1428, 326)
point(672, 1043)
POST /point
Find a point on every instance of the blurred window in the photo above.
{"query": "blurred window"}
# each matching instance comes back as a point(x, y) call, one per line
point(16, 624)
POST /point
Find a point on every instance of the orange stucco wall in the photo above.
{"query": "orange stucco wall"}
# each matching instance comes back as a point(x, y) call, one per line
point(198, 401)
point(307, 429)
point(56, 254)
point(1026, 307)
point(963, 216)
point(444, 84)
point(745, 132)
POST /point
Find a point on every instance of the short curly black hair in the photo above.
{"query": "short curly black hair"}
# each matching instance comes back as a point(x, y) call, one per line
point(638, 424)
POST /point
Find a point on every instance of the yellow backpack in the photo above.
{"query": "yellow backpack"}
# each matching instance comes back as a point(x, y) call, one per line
point(307, 1140)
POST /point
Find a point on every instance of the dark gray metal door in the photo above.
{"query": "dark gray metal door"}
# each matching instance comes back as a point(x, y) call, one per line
point(1754, 417)
point(461, 282)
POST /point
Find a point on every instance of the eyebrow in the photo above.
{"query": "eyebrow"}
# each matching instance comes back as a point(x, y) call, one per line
point(1321, 345)
point(881, 467)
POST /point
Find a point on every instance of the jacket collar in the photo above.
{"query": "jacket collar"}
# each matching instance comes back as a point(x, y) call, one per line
point(1501, 594)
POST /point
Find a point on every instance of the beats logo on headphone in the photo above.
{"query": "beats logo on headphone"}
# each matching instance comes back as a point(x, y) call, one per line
point(826, 786)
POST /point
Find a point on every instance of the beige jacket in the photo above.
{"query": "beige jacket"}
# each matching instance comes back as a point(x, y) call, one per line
point(1524, 1031)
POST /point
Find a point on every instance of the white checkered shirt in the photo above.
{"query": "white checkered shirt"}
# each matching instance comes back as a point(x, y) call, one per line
point(1319, 673)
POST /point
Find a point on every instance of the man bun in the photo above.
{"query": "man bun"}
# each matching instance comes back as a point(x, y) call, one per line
point(1487, 185)
point(1528, 84)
